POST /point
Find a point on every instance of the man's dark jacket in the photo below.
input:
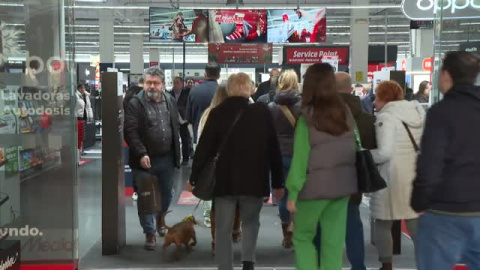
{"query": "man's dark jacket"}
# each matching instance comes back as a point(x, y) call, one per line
point(132, 91)
point(137, 124)
point(182, 101)
point(263, 88)
point(199, 100)
point(448, 169)
point(366, 128)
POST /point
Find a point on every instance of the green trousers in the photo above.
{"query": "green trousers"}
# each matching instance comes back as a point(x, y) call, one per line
point(332, 215)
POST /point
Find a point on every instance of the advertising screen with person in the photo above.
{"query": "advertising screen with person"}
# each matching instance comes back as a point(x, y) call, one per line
point(297, 26)
point(175, 25)
point(238, 26)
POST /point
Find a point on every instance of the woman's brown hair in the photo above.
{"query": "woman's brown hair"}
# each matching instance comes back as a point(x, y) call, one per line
point(319, 92)
point(388, 91)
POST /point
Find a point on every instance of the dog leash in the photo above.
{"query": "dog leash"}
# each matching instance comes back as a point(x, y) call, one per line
point(196, 207)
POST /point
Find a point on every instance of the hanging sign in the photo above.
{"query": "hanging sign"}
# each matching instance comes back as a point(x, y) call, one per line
point(240, 53)
point(312, 55)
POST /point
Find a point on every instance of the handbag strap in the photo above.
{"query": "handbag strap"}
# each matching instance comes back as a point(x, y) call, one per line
point(415, 145)
point(358, 139)
point(289, 115)
point(224, 142)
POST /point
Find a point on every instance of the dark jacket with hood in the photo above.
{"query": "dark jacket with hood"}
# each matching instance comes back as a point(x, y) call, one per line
point(366, 127)
point(365, 121)
point(140, 130)
point(448, 169)
point(285, 130)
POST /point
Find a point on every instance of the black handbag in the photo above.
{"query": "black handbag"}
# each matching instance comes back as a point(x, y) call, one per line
point(369, 179)
point(149, 200)
point(205, 183)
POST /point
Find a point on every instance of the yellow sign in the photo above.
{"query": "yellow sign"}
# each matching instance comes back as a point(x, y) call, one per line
point(359, 76)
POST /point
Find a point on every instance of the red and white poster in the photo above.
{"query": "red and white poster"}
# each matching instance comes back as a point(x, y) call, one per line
point(238, 26)
point(240, 53)
point(306, 55)
point(299, 25)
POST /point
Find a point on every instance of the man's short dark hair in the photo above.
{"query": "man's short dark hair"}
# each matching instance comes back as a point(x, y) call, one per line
point(141, 81)
point(178, 78)
point(80, 85)
point(358, 85)
point(154, 71)
point(189, 79)
point(462, 66)
point(213, 70)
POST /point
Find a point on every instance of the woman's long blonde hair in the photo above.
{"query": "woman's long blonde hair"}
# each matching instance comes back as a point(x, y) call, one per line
point(220, 95)
point(288, 81)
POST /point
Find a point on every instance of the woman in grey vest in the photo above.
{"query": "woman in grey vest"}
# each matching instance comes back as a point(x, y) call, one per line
point(323, 175)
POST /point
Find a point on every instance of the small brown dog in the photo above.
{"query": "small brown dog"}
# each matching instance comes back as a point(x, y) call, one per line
point(181, 233)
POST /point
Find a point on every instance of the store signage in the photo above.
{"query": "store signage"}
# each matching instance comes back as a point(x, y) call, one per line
point(421, 25)
point(312, 55)
point(427, 64)
point(473, 47)
point(240, 53)
point(154, 64)
point(451, 9)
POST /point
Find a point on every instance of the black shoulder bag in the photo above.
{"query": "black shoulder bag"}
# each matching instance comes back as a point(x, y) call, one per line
point(205, 183)
point(369, 178)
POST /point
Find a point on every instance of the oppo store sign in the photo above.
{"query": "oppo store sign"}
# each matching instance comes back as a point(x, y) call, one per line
point(452, 9)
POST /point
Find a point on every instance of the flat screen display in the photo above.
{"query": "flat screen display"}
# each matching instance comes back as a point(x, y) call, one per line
point(177, 25)
point(297, 26)
point(238, 26)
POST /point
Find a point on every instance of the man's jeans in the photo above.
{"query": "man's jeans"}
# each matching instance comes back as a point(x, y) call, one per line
point(444, 240)
point(282, 203)
point(164, 170)
point(355, 241)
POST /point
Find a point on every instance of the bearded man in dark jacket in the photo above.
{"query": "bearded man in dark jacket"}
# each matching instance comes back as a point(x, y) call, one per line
point(151, 130)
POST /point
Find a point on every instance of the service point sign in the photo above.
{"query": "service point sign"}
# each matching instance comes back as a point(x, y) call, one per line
point(452, 9)
point(312, 55)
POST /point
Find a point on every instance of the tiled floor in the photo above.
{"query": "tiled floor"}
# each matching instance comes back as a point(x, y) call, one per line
point(270, 255)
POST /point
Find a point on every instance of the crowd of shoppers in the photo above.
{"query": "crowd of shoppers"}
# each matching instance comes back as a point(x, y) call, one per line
point(301, 143)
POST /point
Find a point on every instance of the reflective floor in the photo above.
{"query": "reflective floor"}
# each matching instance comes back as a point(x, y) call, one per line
point(270, 254)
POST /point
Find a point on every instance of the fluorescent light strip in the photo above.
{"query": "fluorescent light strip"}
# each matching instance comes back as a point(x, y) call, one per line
point(115, 33)
point(10, 5)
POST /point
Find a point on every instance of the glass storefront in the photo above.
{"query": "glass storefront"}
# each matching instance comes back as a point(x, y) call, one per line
point(37, 133)
point(457, 27)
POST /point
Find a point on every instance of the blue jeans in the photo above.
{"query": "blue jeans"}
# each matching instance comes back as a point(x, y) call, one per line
point(355, 241)
point(443, 241)
point(164, 169)
point(282, 204)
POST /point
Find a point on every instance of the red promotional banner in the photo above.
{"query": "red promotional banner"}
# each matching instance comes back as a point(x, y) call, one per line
point(305, 55)
point(240, 53)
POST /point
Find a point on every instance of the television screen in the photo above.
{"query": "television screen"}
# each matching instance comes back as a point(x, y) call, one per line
point(238, 26)
point(297, 26)
point(174, 25)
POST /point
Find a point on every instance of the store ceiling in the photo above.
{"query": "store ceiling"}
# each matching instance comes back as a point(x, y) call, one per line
point(338, 22)
point(131, 17)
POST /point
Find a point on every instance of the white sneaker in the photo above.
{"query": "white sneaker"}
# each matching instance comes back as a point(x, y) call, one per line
point(134, 196)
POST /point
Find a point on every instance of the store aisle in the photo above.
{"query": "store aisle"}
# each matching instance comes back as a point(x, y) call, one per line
point(270, 254)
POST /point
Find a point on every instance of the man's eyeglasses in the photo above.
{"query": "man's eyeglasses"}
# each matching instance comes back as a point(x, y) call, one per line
point(149, 83)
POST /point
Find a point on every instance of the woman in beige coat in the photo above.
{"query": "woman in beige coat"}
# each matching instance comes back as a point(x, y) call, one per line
point(396, 156)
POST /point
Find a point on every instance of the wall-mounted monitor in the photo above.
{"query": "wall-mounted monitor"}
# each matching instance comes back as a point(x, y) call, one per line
point(297, 25)
point(238, 26)
point(178, 25)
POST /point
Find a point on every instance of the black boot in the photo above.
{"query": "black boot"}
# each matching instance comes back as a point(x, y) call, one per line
point(248, 265)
